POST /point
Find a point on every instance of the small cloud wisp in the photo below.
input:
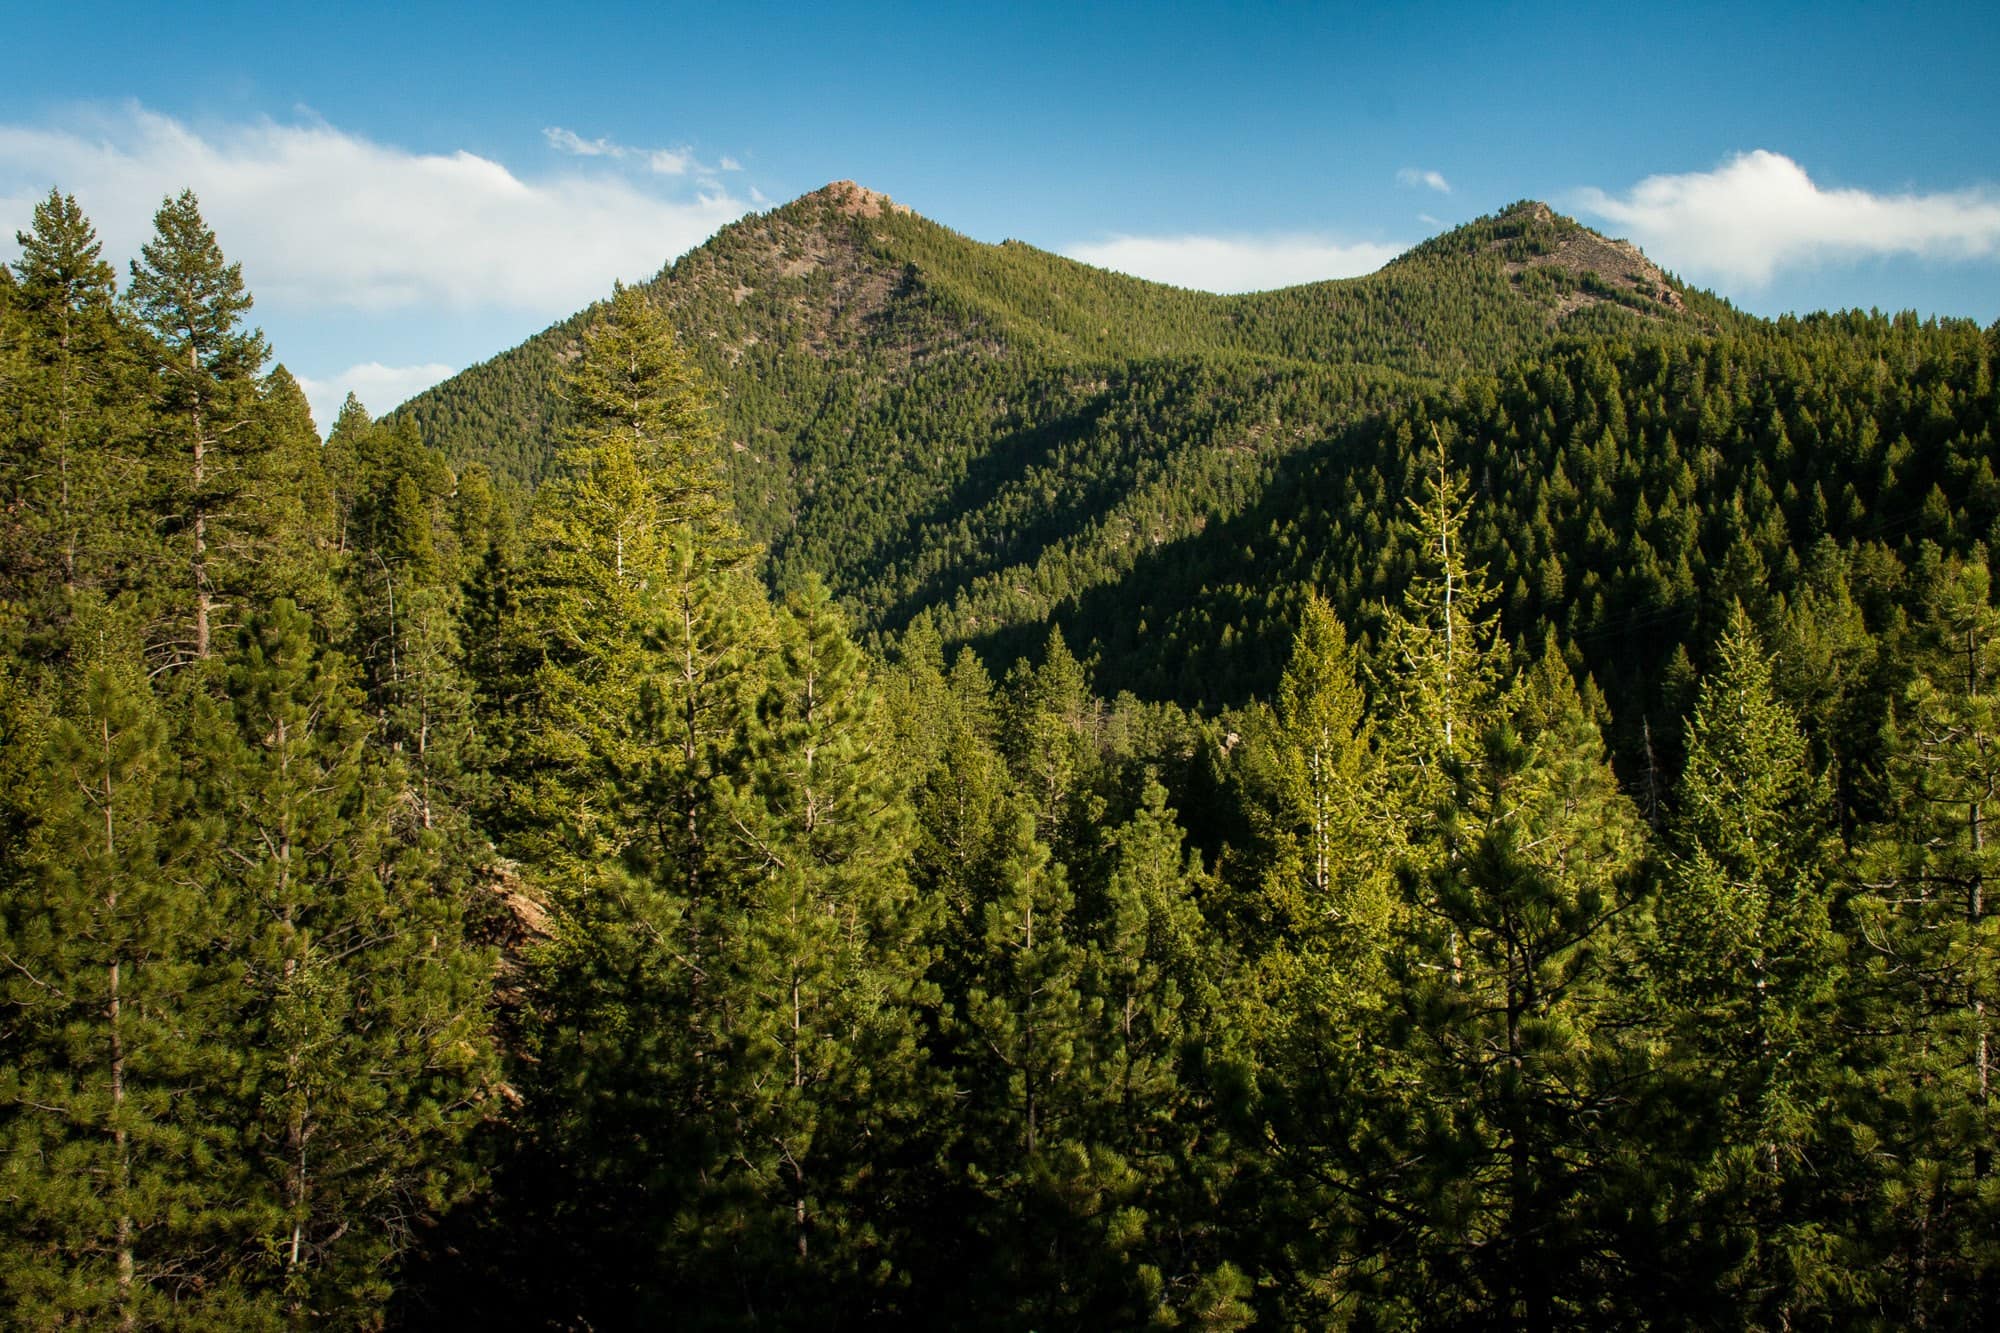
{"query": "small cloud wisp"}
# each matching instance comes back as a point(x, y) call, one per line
point(1410, 178)
point(660, 161)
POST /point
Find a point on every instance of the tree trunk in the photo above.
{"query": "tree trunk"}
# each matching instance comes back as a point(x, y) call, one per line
point(200, 514)
point(121, 1148)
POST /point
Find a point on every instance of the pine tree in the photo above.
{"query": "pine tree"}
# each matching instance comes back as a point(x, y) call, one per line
point(1750, 964)
point(1440, 662)
point(962, 815)
point(813, 1000)
point(1935, 951)
point(293, 504)
point(1152, 965)
point(640, 407)
point(630, 525)
point(359, 1001)
point(621, 660)
point(1830, 669)
point(1327, 820)
point(351, 443)
point(116, 1203)
point(69, 463)
point(1481, 1185)
point(1310, 995)
point(1049, 735)
point(1027, 1054)
point(405, 583)
point(627, 1037)
point(1077, 992)
point(204, 368)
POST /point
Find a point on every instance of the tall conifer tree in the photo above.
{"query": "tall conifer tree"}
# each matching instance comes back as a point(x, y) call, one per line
point(113, 1099)
point(69, 469)
point(632, 516)
point(821, 953)
point(1750, 963)
point(1934, 960)
point(360, 1002)
point(204, 365)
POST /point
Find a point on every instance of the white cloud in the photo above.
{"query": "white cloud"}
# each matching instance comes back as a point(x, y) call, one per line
point(1410, 178)
point(1234, 264)
point(663, 161)
point(379, 388)
point(323, 219)
point(1759, 212)
point(569, 141)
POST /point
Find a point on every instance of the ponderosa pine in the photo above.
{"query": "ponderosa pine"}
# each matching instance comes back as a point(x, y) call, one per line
point(203, 366)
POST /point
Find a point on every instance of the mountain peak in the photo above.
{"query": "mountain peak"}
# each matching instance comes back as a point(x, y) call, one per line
point(1537, 245)
point(845, 282)
point(855, 200)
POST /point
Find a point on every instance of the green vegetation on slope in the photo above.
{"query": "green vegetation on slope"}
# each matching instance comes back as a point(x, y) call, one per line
point(423, 904)
point(918, 418)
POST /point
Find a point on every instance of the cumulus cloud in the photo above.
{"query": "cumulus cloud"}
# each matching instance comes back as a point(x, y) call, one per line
point(379, 388)
point(322, 219)
point(1759, 212)
point(1410, 178)
point(1234, 264)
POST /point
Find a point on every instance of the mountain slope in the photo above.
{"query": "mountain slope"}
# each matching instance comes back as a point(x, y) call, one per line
point(926, 420)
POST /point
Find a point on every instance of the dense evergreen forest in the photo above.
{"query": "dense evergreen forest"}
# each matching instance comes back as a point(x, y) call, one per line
point(881, 781)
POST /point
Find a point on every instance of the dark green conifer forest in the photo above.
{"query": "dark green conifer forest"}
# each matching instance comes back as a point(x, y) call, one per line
point(875, 780)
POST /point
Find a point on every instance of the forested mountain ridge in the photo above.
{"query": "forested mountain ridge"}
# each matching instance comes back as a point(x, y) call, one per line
point(1003, 439)
point(844, 274)
point(924, 420)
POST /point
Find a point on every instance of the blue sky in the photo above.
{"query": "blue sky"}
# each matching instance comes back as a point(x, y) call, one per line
point(413, 191)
